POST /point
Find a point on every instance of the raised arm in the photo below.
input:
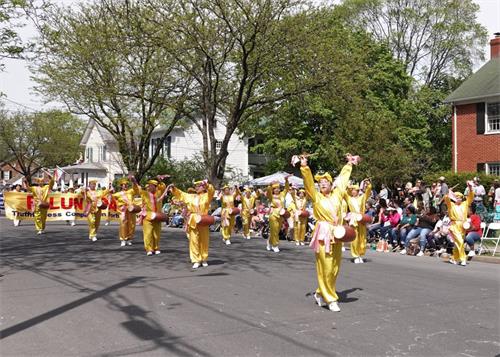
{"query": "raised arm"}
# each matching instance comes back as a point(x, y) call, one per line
point(470, 195)
point(343, 179)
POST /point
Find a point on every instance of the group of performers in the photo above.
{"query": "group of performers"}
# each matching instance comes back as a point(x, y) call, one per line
point(337, 207)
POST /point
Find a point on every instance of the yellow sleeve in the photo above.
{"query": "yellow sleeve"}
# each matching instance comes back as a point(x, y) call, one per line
point(367, 194)
point(137, 189)
point(343, 178)
point(269, 193)
point(470, 198)
point(51, 183)
point(308, 182)
point(447, 201)
point(179, 195)
point(211, 192)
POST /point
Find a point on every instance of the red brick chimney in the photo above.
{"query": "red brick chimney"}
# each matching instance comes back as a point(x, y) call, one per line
point(495, 46)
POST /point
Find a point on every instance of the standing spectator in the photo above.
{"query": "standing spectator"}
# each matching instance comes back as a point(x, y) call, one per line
point(442, 193)
point(496, 185)
point(479, 193)
point(384, 193)
point(474, 233)
point(491, 194)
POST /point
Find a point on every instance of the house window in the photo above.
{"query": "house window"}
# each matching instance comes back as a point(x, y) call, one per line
point(165, 150)
point(493, 169)
point(493, 117)
point(6, 175)
point(89, 153)
point(103, 153)
point(218, 145)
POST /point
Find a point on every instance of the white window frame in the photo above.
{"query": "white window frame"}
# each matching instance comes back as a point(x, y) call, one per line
point(488, 168)
point(486, 119)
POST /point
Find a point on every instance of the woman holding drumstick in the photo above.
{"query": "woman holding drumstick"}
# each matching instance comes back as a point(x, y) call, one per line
point(327, 206)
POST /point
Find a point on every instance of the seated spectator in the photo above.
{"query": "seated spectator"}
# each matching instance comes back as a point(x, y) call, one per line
point(425, 224)
point(380, 219)
point(405, 225)
point(391, 223)
point(474, 233)
point(437, 240)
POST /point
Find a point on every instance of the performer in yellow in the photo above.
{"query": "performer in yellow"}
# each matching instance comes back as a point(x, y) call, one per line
point(457, 212)
point(40, 200)
point(197, 204)
point(227, 199)
point(93, 210)
point(125, 202)
point(152, 204)
point(300, 223)
point(327, 206)
point(276, 199)
point(248, 206)
point(357, 205)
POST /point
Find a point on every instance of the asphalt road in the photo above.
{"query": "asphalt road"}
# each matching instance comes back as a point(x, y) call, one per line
point(62, 295)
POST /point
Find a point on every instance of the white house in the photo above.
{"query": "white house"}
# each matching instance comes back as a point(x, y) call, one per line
point(103, 162)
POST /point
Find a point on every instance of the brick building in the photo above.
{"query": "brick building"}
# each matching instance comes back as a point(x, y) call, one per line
point(476, 118)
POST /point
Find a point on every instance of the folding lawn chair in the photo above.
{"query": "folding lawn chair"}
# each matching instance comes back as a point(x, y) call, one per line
point(490, 243)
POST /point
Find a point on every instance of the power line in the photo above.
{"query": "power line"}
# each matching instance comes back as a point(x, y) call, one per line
point(20, 104)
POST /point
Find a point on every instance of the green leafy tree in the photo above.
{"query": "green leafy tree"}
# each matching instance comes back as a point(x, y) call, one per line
point(244, 57)
point(183, 172)
point(38, 140)
point(432, 38)
point(98, 60)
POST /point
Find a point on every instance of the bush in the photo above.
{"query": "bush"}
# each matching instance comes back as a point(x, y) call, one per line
point(183, 173)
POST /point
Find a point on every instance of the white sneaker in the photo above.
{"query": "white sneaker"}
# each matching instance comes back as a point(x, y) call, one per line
point(39, 232)
point(204, 264)
point(343, 249)
point(94, 239)
point(157, 252)
point(228, 242)
point(333, 306)
point(361, 260)
point(123, 243)
point(106, 224)
point(319, 299)
point(452, 261)
point(129, 242)
point(72, 223)
point(149, 253)
point(297, 243)
point(196, 265)
point(276, 249)
point(471, 253)
point(420, 254)
point(403, 252)
point(357, 260)
point(248, 237)
point(463, 263)
point(268, 246)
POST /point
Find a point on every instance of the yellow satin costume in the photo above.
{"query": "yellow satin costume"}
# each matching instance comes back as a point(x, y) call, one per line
point(124, 199)
point(458, 215)
point(151, 203)
point(247, 204)
point(357, 206)
point(91, 197)
point(227, 220)
point(40, 194)
point(276, 203)
point(300, 223)
point(199, 236)
point(327, 211)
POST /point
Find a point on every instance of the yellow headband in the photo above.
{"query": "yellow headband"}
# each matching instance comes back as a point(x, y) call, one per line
point(326, 175)
point(302, 190)
point(275, 185)
point(92, 181)
point(458, 195)
point(354, 187)
point(152, 182)
point(39, 179)
point(201, 182)
point(248, 190)
point(191, 190)
point(123, 181)
point(225, 186)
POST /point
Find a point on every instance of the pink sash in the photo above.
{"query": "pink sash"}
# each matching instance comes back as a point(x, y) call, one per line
point(323, 231)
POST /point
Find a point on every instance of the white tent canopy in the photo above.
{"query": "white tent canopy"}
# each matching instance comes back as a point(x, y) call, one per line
point(278, 176)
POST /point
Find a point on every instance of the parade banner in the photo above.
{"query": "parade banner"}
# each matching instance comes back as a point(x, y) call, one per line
point(63, 207)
